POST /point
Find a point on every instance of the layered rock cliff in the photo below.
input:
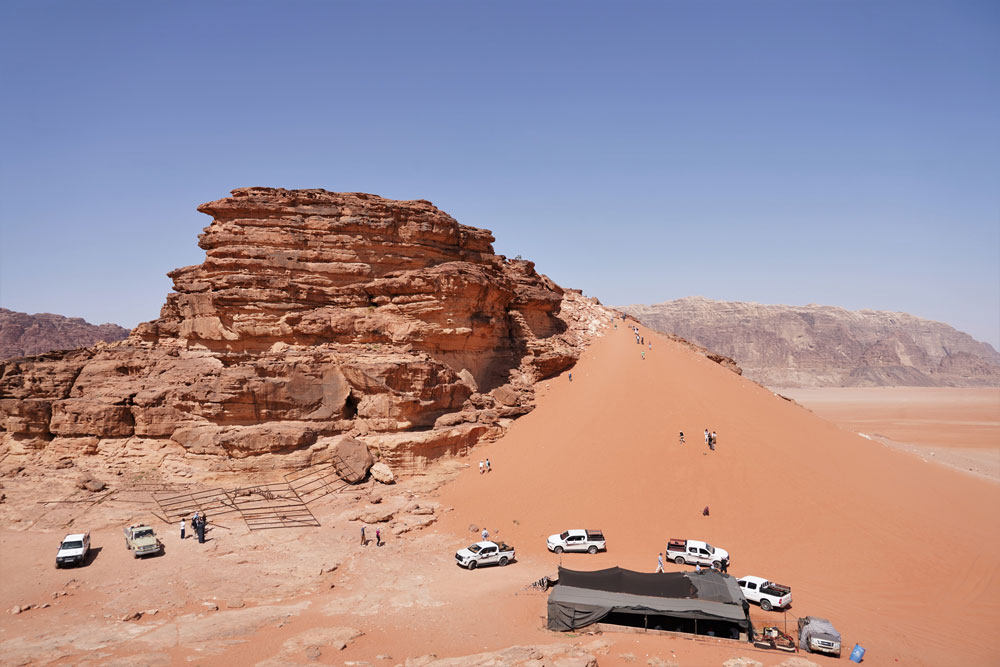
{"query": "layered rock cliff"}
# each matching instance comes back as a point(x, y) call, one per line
point(22, 334)
point(315, 314)
point(813, 345)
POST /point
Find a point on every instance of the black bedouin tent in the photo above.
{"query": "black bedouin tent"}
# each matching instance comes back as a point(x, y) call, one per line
point(583, 598)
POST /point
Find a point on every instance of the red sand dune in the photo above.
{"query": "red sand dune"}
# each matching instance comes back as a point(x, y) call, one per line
point(900, 554)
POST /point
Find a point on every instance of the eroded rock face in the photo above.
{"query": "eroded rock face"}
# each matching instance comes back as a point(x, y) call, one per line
point(314, 314)
point(812, 345)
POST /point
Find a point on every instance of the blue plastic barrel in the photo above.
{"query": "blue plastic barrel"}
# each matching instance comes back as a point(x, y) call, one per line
point(858, 654)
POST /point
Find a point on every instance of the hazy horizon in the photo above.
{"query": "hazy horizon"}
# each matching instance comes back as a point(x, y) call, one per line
point(837, 153)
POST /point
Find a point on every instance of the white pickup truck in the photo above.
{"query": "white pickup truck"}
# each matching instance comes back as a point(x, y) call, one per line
point(696, 552)
point(590, 541)
point(73, 550)
point(484, 553)
point(765, 593)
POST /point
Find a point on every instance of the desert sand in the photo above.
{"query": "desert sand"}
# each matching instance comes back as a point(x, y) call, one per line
point(955, 426)
point(899, 554)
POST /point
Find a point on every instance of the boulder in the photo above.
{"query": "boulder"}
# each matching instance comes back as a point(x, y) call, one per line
point(354, 458)
point(382, 473)
point(89, 483)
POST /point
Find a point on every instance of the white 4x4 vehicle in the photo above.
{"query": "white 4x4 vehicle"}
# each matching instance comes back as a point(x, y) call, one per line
point(590, 541)
point(695, 551)
point(767, 594)
point(484, 553)
point(73, 550)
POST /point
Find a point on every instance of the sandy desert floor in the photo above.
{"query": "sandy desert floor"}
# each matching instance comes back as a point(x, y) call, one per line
point(953, 426)
point(899, 554)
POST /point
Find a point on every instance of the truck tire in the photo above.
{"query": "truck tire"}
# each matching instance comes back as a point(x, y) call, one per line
point(765, 604)
point(717, 565)
point(135, 554)
point(472, 565)
point(680, 560)
point(503, 561)
point(592, 549)
point(557, 550)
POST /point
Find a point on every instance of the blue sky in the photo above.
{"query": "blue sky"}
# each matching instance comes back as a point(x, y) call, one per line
point(843, 153)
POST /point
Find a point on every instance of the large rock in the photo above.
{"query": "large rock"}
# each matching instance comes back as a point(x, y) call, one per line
point(382, 473)
point(791, 346)
point(354, 458)
point(315, 314)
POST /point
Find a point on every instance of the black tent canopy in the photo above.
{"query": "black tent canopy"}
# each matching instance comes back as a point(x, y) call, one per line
point(583, 598)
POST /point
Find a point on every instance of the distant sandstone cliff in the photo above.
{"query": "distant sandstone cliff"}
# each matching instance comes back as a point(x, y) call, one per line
point(22, 334)
point(315, 315)
point(794, 346)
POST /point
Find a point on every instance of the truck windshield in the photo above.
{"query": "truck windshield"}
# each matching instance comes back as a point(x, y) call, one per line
point(563, 535)
point(475, 548)
point(72, 544)
point(143, 533)
point(710, 548)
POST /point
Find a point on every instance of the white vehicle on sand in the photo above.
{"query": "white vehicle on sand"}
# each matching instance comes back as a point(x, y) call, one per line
point(73, 550)
point(484, 553)
point(692, 552)
point(590, 541)
point(767, 594)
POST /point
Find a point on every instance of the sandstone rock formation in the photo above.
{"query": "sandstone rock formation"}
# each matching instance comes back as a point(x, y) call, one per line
point(314, 314)
point(791, 346)
point(22, 334)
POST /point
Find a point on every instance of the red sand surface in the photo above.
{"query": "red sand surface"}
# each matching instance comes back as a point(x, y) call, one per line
point(939, 416)
point(955, 426)
point(900, 555)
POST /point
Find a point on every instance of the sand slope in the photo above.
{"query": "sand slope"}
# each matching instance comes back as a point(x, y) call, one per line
point(900, 554)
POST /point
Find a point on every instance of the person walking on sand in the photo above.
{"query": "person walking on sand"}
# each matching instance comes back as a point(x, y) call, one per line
point(659, 563)
point(182, 528)
point(570, 377)
point(680, 438)
point(706, 436)
point(644, 355)
point(488, 468)
point(486, 534)
point(378, 537)
point(363, 542)
point(480, 467)
point(714, 440)
point(704, 512)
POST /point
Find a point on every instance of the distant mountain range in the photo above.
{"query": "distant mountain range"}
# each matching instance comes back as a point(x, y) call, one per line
point(22, 334)
point(810, 346)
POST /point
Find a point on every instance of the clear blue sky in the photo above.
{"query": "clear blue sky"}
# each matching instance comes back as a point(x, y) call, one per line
point(843, 153)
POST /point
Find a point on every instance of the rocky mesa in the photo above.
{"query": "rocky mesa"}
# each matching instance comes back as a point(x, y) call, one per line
point(794, 346)
point(22, 334)
point(316, 316)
